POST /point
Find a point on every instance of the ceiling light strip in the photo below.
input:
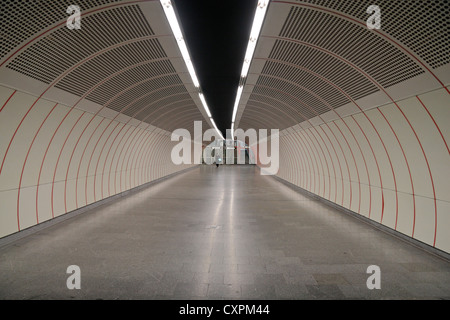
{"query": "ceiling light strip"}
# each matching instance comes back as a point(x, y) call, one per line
point(215, 127)
point(205, 105)
point(258, 20)
point(174, 25)
point(232, 130)
point(173, 22)
point(236, 103)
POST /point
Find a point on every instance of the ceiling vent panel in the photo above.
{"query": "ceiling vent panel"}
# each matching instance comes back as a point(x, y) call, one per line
point(422, 26)
point(352, 82)
point(95, 70)
point(286, 103)
point(156, 99)
point(352, 42)
point(145, 88)
point(278, 119)
point(115, 59)
point(48, 58)
point(178, 107)
point(332, 96)
point(304, 98)
point(32, 17)
point(146, 72)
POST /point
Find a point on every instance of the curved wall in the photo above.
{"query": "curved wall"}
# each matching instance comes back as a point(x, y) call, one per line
point(55, 159)
point(363, 113)
point(389, 164)
point(87, 113)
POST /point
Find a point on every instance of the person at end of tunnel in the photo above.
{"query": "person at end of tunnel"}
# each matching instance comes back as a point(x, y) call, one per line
point(217, 158)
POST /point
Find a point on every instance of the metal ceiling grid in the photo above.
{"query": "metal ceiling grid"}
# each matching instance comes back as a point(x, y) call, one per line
point(156, 98)
point(311, 60)
point(128, 79)
point(323, 56)
point(300, 76)
point(143, 89)
point(156, 114)
point(101, 67)
point(352, 42)
point(46, 59)
point(422, 26)
point(273, 103)
point(23, 13)
point(116, 60)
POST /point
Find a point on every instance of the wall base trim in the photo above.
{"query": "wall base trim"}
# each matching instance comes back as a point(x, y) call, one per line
point(417, 243)
point(9, 239)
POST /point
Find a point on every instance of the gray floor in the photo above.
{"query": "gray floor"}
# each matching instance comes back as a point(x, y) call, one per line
point(218, 233)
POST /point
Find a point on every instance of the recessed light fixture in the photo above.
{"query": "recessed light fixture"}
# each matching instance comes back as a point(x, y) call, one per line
point(174, 25)
point(173, 22)
point(205, 105)
point(236, 103)
point(258, 20)
point(214, 124)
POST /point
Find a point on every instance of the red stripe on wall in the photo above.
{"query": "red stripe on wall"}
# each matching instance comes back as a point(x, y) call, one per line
point(8, 101)
point(24, 164)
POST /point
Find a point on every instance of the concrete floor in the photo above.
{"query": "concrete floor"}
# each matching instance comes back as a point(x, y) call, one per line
point(218, 233)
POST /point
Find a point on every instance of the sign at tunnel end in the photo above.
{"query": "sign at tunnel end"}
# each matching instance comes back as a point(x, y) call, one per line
point(258, 147)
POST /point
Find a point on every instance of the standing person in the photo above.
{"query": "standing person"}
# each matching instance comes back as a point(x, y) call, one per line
point(217, 157)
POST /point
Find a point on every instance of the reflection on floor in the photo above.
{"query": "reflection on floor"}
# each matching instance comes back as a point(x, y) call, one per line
point(214, 233)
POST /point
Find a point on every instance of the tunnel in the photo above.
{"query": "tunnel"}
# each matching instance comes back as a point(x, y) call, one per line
point(106, 117)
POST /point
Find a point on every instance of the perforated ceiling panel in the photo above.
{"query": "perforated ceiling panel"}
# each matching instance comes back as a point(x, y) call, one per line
point(321, 56)
point(32, 17)
point(48, 58)
point(142, 89)
point(115, 60)
point(130, 78)
point(422, 26)
point(352, 42)
point(95, 70)
point(297, 58)
point(163, 96)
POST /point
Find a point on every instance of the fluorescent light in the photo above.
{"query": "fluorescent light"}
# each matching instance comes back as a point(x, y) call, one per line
point(232, 131)
point(214, 124)
point(215, 127)
point(254, 34)
point(205, 106)
point(258, 20)
point(236, 103)
point(261, 9)
point(173, 22)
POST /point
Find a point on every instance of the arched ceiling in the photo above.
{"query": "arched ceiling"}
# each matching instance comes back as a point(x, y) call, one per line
point(216, 33)
point(316, 60)
point(123, 63)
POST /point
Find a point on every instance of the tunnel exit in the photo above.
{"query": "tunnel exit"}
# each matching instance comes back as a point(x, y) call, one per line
point(228, 152)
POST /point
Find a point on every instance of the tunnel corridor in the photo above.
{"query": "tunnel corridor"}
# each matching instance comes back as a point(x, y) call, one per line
point(108, 107)
point(218, 233)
